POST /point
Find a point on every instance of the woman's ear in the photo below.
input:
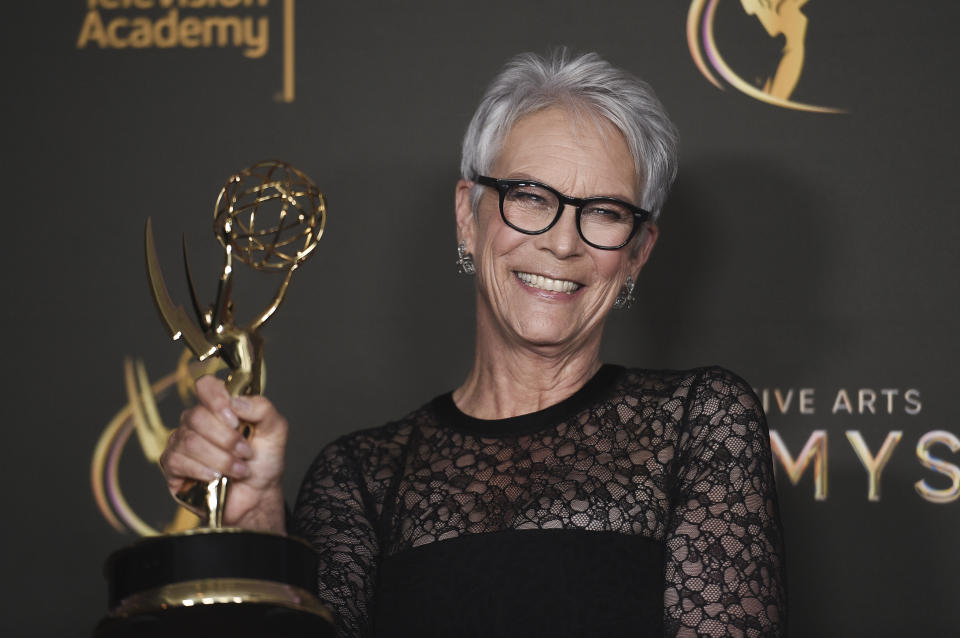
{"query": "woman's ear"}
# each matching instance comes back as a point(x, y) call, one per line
point(466, 220)
point(641, 253)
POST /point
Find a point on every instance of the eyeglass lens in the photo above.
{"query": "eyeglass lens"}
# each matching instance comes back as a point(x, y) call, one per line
point(604, 222)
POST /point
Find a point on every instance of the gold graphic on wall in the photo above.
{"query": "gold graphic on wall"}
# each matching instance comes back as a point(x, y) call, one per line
point(141, 416)
point(951, 471)
point(814, 453)
point(191, 24)
point(778, 18)
point(288, 52)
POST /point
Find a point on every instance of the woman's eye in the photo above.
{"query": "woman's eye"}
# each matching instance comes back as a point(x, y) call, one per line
point(606, 213)
point(527, 197)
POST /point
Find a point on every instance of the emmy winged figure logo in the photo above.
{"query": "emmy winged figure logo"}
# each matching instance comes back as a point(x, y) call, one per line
point(779, 18)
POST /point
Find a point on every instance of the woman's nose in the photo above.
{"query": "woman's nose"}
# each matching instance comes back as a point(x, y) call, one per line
point(563, 240)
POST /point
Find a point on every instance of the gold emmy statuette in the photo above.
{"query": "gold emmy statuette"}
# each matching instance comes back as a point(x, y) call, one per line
point(216, 579)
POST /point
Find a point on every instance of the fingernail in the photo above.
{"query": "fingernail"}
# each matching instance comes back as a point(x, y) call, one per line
point(240, 469)
point(229, 417)
point(211, 475)
point(244, 449)
point(241, 404)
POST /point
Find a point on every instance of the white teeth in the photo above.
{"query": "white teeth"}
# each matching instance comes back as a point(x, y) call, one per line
point(545, 283)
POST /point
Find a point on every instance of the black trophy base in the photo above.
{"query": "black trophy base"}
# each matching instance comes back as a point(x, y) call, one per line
point(207, 621)
point(207, 582)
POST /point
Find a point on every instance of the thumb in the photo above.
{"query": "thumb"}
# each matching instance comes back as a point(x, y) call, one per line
point(261, 413)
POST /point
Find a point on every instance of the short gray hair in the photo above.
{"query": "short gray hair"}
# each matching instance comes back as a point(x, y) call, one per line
point(530, 83)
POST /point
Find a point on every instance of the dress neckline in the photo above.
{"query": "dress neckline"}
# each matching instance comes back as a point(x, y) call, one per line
point(449, 415)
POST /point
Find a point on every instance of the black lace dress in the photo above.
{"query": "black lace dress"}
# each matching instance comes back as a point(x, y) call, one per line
point(643, 505)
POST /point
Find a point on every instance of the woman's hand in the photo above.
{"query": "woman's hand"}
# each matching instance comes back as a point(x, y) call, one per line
point(208, 444)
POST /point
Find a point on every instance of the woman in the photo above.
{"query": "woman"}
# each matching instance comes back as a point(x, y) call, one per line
point(548, 494)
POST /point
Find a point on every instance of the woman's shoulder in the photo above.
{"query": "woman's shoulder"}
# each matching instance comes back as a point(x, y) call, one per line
point(694, 399)
point(690, 382)
point(712, 406)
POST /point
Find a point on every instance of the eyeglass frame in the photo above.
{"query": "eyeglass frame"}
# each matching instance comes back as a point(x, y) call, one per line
point(640, 215)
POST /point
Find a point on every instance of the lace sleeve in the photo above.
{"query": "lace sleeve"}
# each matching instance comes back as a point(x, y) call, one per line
point(724, 564)
point(334, 513)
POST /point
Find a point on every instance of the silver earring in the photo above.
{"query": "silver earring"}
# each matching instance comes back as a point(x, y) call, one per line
point(625, 297)
point(465, 265)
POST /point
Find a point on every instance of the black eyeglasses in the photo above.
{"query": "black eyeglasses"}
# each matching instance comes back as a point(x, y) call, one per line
point(533, 208)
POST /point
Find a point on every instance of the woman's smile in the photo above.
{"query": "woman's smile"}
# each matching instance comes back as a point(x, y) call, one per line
point(549, 284)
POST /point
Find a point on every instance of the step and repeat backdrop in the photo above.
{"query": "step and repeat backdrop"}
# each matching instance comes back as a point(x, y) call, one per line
point(810, 244)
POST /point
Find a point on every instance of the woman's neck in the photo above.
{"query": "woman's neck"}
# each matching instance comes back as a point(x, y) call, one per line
point(507, 382)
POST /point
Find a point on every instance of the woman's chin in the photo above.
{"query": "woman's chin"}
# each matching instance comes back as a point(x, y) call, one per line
point(548, 334)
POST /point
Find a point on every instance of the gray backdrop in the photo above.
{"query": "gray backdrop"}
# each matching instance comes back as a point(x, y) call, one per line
point(801, 250)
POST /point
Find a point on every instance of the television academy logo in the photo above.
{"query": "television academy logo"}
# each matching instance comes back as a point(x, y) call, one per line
point(777, 17)
point(190, 24)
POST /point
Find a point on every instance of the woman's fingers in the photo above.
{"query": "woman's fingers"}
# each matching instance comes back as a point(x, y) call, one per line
point(212, 428)
point(212, 394)
point(190, 444)
point(260, 412)
point(179, 468)
point(202, 448)
point(208, 444)
point(255, 410)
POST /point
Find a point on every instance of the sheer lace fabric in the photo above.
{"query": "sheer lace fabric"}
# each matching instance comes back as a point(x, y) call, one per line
point(678, 458)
